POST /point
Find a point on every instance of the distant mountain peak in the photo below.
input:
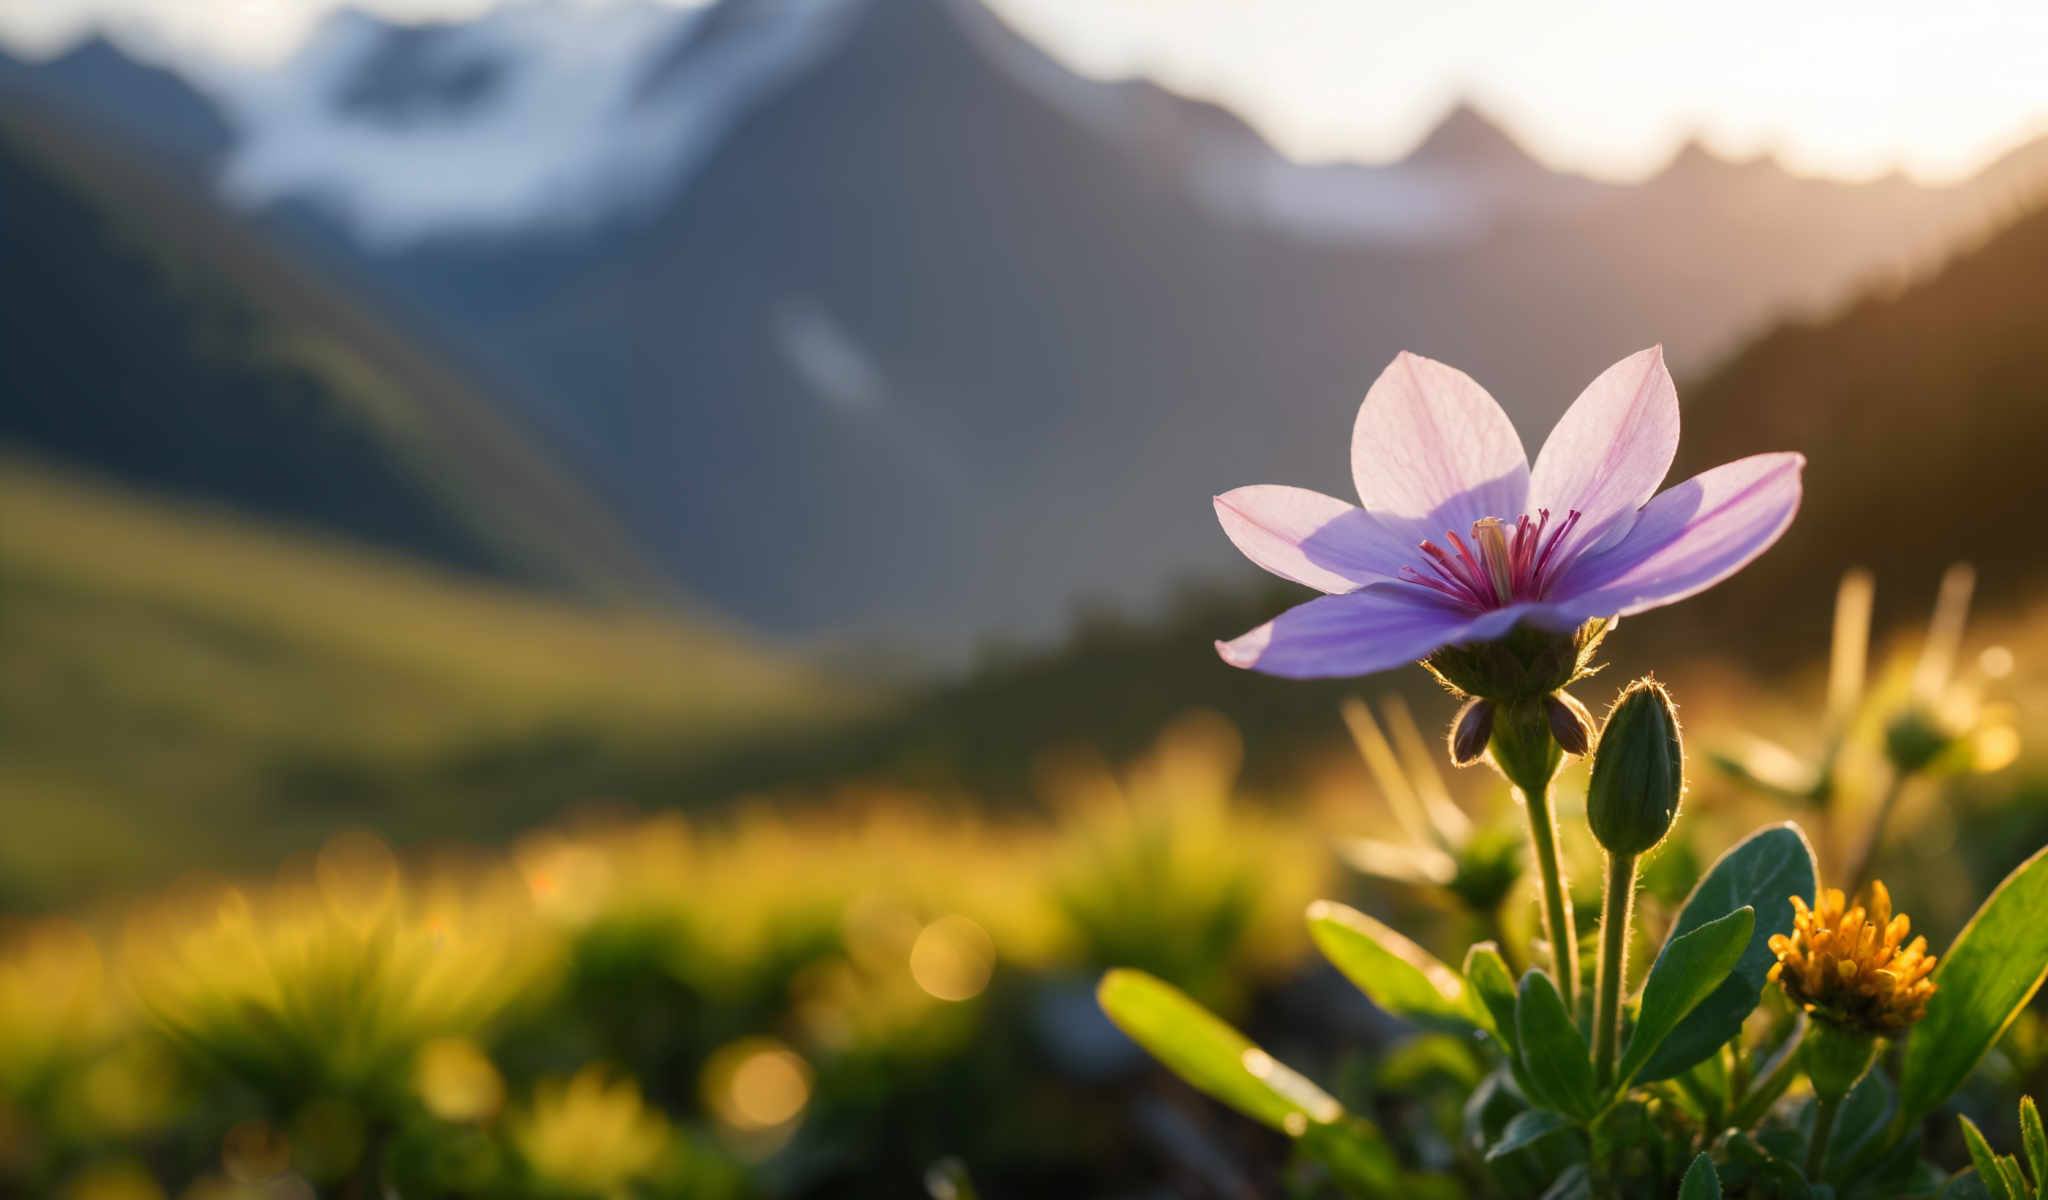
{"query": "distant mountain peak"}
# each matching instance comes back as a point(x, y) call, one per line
point(1466, 137)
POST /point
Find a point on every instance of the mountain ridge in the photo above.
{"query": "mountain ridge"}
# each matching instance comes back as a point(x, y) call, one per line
point(937, 337)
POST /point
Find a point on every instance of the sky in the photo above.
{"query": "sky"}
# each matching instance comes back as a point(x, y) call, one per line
point(1607, 87)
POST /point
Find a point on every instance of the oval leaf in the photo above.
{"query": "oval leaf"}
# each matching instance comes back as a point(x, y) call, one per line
point(1526, 1129)
point(1197, 1046)
point(1488, 979)
point(1764, 872)
point(1981, 984)
point(1688, 970)
point(1702, 1182)
point(1553, 1049)
point(1395, 973)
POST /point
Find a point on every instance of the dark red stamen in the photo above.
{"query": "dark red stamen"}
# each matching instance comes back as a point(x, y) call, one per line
point(1534, 554)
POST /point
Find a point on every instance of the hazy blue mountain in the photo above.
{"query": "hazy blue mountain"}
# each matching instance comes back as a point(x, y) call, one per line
point(867, 317)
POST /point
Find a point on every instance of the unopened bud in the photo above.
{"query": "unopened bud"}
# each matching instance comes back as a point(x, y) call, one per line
point(1523, 751)
point(1471, 731)
point(1914, 739)
point(1639, 773)
point(1570, 723)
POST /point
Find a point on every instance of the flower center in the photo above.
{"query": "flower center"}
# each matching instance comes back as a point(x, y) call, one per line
point(1501, 566)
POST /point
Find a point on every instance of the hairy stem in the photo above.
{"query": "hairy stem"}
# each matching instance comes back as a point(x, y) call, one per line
point(1557, 903)
point(1614, 913)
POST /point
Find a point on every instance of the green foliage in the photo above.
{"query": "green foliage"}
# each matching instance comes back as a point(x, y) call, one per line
point(185, 690)
point(2001, 1176)
point(1209, 1054)
point(1554, 1053)
point(1762, 872)
point(1487, 975)
point(1701, 1181)
point(2034, 1139)
point(1988, 975)
point(1690, 968)
point(1525, 1130)
point(1395, 973)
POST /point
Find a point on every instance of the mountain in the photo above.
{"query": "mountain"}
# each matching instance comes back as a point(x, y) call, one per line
point(152, 337)
point(99, 82)
point(865, 317)
point(1921, 412)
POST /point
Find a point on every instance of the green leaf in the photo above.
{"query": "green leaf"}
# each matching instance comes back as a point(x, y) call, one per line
point(1197, 1046)
point(1763, 872)
point(1986, 1162)
point(1575, 1184)
point(1701, 1181)
point(1968, 1185)
point(2016, 1183)
point(1395, 973)
point(1554, 1051)
point(1686, 972)
point(1488, 978)
point(1860, 1126)
point(1526, 1129)
point(2036, 1141)
point(1982, 983)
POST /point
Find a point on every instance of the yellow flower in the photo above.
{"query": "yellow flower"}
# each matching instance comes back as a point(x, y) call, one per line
point(591, 1134)
point(1848, 968)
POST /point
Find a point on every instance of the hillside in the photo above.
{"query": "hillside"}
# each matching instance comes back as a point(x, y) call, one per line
point(152, 338)
point(178, 686)
point(1921, 412)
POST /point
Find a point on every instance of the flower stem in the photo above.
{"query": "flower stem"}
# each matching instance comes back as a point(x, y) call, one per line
point(1823, 1126)
point(1615, 908)
point(1557, 903)
point(1856, 872)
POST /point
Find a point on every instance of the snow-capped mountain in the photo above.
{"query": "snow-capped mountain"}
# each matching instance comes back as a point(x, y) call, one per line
point(867, 317)
point(533, 117)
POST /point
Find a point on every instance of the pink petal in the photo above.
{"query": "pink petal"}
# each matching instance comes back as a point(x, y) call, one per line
point(1386, 625)
point(1310, 538)
point(1607, 455)
point(1432, 452)
point(1689, 538)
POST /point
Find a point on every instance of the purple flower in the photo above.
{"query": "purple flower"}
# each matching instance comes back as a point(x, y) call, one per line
point(1574, 538)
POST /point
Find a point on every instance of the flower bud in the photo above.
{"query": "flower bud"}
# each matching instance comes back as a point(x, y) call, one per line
point(1523, 751)
point(1570, 723)
point(1471, 731)
point(1639, 773)
point(1914, 739)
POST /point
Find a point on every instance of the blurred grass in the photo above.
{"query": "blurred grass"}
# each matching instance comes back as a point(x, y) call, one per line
point(817, 1002)
point(183, 687)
